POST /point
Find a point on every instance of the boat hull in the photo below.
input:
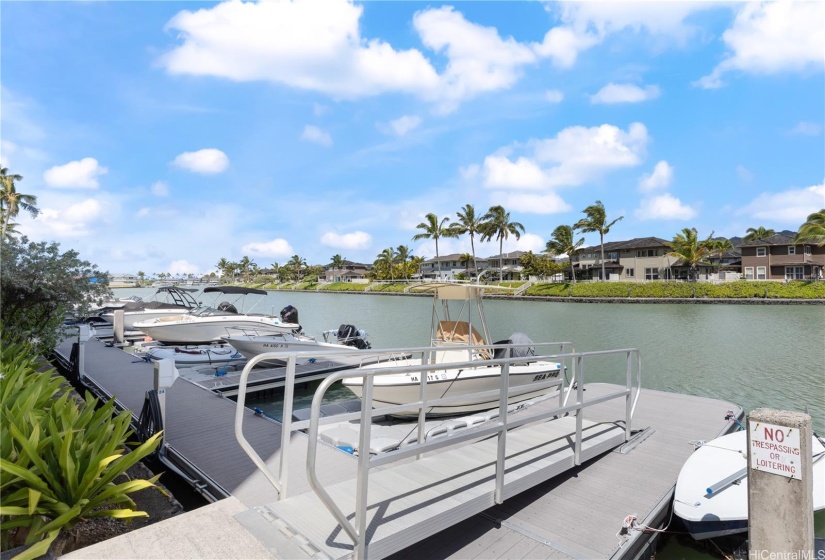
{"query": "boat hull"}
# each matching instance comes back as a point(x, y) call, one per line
point(726, 511)
point(190, 356)
point(130, 318)
point(252, 345)
point(397, 389)
point(188, 329)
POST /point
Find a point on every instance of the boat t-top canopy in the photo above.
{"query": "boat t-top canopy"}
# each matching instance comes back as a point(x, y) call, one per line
point(234, 290)
point(176, 289)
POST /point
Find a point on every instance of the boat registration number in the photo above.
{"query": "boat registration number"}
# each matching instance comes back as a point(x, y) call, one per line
point(274, 345)
point(430, 377)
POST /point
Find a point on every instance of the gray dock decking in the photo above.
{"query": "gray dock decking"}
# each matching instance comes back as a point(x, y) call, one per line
point(573, 515)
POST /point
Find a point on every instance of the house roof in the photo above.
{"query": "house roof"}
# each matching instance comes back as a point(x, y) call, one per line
point(635, 243)
point(777, 239)
point(510, 255)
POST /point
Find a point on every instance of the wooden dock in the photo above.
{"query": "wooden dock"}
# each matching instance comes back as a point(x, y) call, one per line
point(548, 513)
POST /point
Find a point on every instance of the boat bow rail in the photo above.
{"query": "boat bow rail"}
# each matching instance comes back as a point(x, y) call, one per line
point(570, 411)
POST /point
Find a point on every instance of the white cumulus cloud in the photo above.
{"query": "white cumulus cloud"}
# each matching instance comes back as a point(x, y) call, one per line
point(81, 174)
point(805, 128)
point(316, 136)
point(659, 179)
point(524, 173)
point(772, 37)
point(182, 267)
point(790, 207)
point(664, 207)
point(276, 248)
point(529, 203)
point(76, 220)
point(353, 240)
point(208, 161)
point(624, 93)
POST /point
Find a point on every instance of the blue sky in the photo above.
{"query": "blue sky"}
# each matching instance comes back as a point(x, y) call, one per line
point(163, 136)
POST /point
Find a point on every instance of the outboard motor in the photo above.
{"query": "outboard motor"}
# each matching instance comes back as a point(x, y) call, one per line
point(228, 307)
point(289, 315)
point(522, 352)
point(348, 335)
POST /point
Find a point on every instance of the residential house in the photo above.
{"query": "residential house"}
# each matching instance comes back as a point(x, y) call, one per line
point(348, 272)
point(778, 258)
point(447, 267)
point(635, 260)
point(510, 264)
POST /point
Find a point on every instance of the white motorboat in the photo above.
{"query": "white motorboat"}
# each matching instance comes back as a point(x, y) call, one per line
point(720, 466)
point(207, 324)
point(345, 339)
point(456, 341)
point(193, 354)
point(165, 302)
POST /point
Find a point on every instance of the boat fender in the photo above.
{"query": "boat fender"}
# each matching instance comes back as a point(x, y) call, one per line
point(346, 449)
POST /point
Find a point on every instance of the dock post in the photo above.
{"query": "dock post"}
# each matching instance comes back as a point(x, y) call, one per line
point(117, 332)
point(780, 484)
point(82, 337)
point(165, 375)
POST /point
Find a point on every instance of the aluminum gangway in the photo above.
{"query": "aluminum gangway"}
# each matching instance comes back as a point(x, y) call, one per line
point(405, 495)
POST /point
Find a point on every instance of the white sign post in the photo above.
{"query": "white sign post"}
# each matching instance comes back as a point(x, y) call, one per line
point(775, 449)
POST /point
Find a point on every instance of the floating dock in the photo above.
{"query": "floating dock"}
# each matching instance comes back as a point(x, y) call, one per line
point(555, 498)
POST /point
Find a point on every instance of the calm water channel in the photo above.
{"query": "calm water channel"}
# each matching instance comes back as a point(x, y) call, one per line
point(753, 355)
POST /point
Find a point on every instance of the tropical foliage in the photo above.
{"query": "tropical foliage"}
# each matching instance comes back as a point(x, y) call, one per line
point(596, 221)
point(496, 224)
point(752, 234)
point(690, 251)
point(562, 243)
point(11, 201)
point(39, 285)
point(468, 224)
point(682, 290)
point(60, 461)
point(813, 230)
point(434, 229)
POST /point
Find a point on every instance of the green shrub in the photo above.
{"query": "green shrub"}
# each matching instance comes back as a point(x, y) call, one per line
point(742, 289)
point(59, 458)
point(399, 288)
point(344, 287)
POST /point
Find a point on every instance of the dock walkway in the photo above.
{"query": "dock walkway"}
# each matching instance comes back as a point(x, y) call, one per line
point(575, 514)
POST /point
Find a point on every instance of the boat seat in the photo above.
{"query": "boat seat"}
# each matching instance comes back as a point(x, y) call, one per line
point(464, 332)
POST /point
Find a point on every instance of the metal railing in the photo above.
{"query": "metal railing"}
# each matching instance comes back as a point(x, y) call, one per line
point(497, 427)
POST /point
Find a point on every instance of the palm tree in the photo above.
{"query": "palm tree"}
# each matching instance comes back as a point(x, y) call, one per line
point(561, 243)
point(468, 223)
point(11, 201)
point(296, 265)
point(465, 259)
point(141, 277)
point(337, 262)
point(223, 266)
point(402, 255)
point(687, 248)
point(595, 221)
point(718, 247)
point(813, 230)
point(387, 258)
point(245, 265)
point(434, 229)
point(752, 234)
point(496, 223)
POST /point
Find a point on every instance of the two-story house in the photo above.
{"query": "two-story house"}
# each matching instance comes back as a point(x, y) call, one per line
point(778, 258)
point(635, 260)
point(447, 267)
point(507, 263)
point(348, 272)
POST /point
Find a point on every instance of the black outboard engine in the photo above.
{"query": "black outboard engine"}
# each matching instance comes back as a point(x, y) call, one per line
point(289, 315)
point(348, 335)
point(522, 352)
point(228, 307)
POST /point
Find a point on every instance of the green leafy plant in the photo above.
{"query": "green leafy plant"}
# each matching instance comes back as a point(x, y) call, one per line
point(60, 458)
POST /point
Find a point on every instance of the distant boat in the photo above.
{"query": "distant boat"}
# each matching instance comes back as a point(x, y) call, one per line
point(251, 343)
point(724, 511)
point(165, 302)
point(195, 355)
point(207, 324)
point(452, 341)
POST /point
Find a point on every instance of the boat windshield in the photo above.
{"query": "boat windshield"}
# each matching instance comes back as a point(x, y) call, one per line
point(206, 311)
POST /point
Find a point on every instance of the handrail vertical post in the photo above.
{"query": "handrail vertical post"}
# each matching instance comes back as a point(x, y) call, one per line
point(629, 397)
point(286, 424)
point(501, 452)
point(579, 411)
point(573, 374)
point(362, 484)
point(422, 413)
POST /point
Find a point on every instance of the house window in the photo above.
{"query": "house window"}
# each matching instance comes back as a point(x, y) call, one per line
point(761, 251)
point(807, 249)
point(612, 256)
point(748, 273)
point(629, 272)
point(794, 273)
point(651, 274)
point(791, 249)
point(646, 253)
point(761, 273)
